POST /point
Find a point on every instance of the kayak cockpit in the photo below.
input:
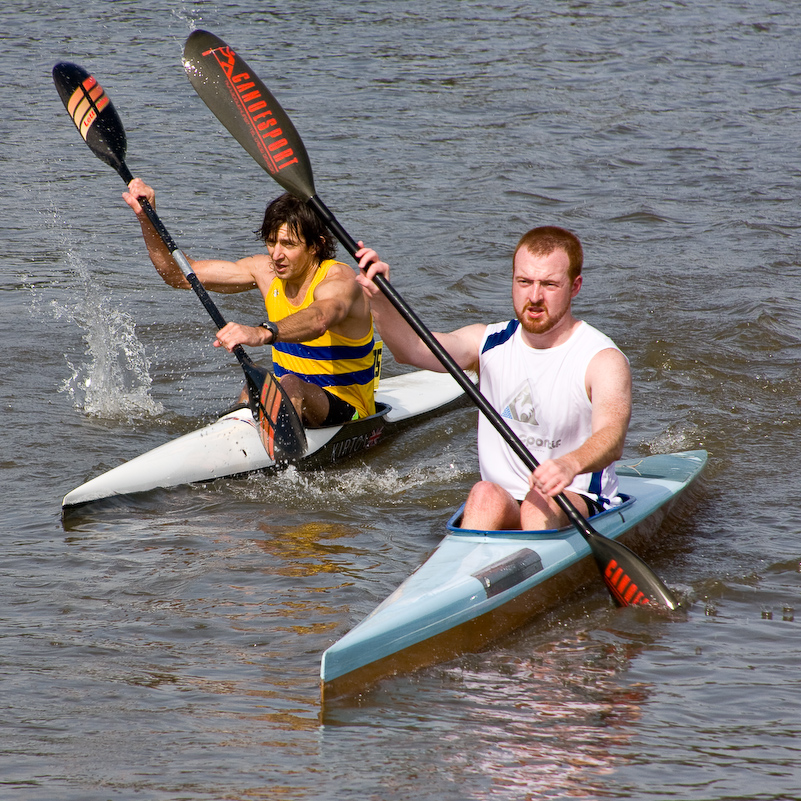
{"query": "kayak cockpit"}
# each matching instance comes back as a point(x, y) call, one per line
point(454, 524)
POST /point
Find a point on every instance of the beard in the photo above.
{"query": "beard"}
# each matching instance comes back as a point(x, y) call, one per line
point(543, 324)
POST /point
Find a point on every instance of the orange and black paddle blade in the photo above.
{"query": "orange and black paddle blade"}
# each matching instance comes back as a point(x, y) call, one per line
point(280, 428)
point(94, 115)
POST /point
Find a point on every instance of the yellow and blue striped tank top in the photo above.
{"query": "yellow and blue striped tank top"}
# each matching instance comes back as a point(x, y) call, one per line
point(342, 366)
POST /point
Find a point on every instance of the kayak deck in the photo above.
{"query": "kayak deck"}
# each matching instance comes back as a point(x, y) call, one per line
point(231, 446)
point(478, 586)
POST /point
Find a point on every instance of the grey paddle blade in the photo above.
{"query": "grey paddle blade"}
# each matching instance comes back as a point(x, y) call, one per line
point(244, 105)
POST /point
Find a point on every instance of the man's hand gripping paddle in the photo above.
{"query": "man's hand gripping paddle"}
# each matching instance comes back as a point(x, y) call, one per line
point(245, 106)
point(98, 123)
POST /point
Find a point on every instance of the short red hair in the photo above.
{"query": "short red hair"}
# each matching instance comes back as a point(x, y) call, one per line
point(546, 239)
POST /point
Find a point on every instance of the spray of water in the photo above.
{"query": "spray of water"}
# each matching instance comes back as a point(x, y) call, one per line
point(114, 380)
point(676, 438)
point(344, 486)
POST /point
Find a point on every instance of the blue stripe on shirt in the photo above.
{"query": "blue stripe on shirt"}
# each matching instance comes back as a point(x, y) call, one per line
point(362, 377)
point(595, 488)
point(325, 353)
point(499, 337)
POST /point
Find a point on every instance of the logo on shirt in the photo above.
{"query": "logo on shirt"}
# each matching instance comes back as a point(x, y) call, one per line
point(521, 406)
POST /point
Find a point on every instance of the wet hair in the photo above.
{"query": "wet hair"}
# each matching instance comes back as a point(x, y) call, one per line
point(301, 222)
point(546, 239)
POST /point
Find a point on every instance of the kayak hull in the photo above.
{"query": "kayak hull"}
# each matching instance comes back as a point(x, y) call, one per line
point(231, 446)
point(479, 586)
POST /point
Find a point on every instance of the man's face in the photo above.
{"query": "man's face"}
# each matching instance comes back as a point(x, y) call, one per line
point(541, 290)
point(291, 256)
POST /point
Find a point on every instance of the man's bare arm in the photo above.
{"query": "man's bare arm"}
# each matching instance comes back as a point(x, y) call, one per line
point(608, 384)
point(338, 302)
point(216, 275)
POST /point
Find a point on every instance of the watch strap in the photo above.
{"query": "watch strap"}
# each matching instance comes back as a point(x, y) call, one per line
point(272, 328)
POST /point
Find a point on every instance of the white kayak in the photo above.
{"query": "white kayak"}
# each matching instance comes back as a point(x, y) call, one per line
point(480, 585)
point(231, 446)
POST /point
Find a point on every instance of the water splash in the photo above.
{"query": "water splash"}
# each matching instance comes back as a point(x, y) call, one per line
point(680, 437)
point(114, 382)
point(346, 485)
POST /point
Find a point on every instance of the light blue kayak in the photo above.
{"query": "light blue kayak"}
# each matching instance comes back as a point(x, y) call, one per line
point(480, 585)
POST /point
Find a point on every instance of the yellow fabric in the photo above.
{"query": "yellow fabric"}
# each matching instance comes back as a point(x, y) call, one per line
point(342, 366)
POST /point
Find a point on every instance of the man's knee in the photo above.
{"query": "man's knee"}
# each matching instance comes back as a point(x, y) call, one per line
point(291, 383)
point(485, 492)
point(490, 506)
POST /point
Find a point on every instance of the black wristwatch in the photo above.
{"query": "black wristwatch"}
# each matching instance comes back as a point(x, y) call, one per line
point(272, 328)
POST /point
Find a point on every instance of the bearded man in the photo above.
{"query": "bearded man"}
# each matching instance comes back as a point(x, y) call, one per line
point(562, 385)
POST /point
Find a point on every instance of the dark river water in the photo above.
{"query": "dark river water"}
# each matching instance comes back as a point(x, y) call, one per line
point(168, 647)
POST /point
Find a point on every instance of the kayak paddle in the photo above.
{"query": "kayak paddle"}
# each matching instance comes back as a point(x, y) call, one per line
point(244, 105)
point(98, 123)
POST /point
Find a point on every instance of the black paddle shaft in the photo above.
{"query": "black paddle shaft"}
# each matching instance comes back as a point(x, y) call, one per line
point(256, 119)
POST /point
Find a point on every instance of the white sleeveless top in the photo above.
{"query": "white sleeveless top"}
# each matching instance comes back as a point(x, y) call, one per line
point(542, 395)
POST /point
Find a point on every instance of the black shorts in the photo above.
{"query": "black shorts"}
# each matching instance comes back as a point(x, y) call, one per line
point(339, 411)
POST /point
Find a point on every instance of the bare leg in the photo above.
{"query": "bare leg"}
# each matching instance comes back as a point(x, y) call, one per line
point(310, 402)
point(489, 507)
point(539, 512)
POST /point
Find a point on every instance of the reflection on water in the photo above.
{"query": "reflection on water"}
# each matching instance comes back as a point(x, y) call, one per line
point(548, 716)
point(306, 549)
point(559, 721)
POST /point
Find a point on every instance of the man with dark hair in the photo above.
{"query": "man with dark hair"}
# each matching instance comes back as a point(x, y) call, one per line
point(562, 385)
point(319, 322)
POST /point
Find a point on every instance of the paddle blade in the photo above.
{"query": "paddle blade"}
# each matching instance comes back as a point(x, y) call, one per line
point(244, 105)
point(630, 581)
point(280, 428)
point(94, 115)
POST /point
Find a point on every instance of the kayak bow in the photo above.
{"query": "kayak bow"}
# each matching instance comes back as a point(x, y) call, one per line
point(480, 585)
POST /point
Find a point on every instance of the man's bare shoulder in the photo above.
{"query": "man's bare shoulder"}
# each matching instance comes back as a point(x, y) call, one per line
point(260, 267)
point(464, 344)
point(608, 375)
point(258, 261)
point(340, 282)
point(471, 334)
point(610, 358)
point(339, 271)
